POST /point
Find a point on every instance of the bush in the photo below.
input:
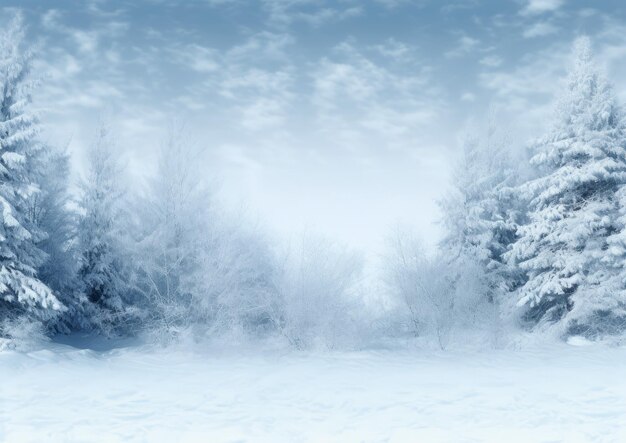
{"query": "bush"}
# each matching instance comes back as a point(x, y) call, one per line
point(435, 296)
point(22, 334)
point(320, 292)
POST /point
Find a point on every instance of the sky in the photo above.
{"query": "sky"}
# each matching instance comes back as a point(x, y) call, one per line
point(343, 117)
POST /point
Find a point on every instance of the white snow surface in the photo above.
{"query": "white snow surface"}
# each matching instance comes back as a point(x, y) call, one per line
point(549, 393)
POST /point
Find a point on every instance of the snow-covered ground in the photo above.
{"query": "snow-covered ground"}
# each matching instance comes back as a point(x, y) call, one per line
point(548, 394)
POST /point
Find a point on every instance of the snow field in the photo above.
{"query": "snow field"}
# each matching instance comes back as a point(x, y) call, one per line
point(550, 394)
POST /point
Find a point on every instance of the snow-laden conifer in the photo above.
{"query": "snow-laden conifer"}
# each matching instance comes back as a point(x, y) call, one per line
point(480, 212)
point(21, 291)
point(103, 271)
point(52, 211)
point(572, 202)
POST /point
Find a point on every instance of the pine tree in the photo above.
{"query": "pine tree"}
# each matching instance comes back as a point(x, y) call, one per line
point(21, 291)
point(602, 311)
point(103, 266)
point(479, 214)
point(50, 210)
point(573, 207)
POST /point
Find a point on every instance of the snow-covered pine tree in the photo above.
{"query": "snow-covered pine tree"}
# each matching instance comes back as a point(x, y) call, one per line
point(572, 203)
point(602, 310)
point(479, 214)
point(21, 291)
point(103, 264)
point(50, 210)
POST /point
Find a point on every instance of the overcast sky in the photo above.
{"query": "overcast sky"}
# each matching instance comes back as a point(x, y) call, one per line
point(343, 117)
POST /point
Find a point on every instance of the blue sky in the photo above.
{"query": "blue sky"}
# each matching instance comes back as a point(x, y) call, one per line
point(342, 117)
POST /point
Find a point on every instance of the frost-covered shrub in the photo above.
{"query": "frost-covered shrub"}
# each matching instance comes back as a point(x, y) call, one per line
point(120, 321)
point(234, 289)
point(199, 270)
point(320, 293)
point(437, 298)
point(22, 334)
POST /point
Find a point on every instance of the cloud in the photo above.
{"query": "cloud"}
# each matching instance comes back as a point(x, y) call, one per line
point(197, 57)
point(357, 82)
point(263, 46)
point(314, 12)
point(492, 61)
point(254, 79)
point(257, 77)
point(525, 93)
point(327, 15)
point(535, 75)
point(50, 19)
point(396, 3)
point(263, 113)
point(82, 65)
point(95, 9)
point(588, 12)
point(358, 100)
point(465, 45)
point(93, 94)
point(468, 97)
point(540, 29)
point(534, 7)
point(251, 81)
point(393, 49)
point(86, 41)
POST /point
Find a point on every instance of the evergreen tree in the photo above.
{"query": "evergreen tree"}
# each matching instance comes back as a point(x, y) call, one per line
point(50, 211)
point(603, 309)
point(573, 206)
point(21, 291)
point(479, 214)
point(103, 268)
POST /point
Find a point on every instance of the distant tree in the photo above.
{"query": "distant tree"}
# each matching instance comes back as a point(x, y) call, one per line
point(50, 210)
point(103, 271)
point(236, 286)
point(573, 206)
point(321, 303)
point(21, 289)
point(434, 295)
point(480, 213)
point(170, 233)
point(197, 268)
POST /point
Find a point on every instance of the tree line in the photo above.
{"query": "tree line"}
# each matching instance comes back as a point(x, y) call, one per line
point(536, 245)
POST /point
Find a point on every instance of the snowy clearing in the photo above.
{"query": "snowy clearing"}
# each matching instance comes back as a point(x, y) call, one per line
point(548, 394)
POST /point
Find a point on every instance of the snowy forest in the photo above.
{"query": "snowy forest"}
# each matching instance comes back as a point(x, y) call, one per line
point(538, 245)
point(532, 256)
